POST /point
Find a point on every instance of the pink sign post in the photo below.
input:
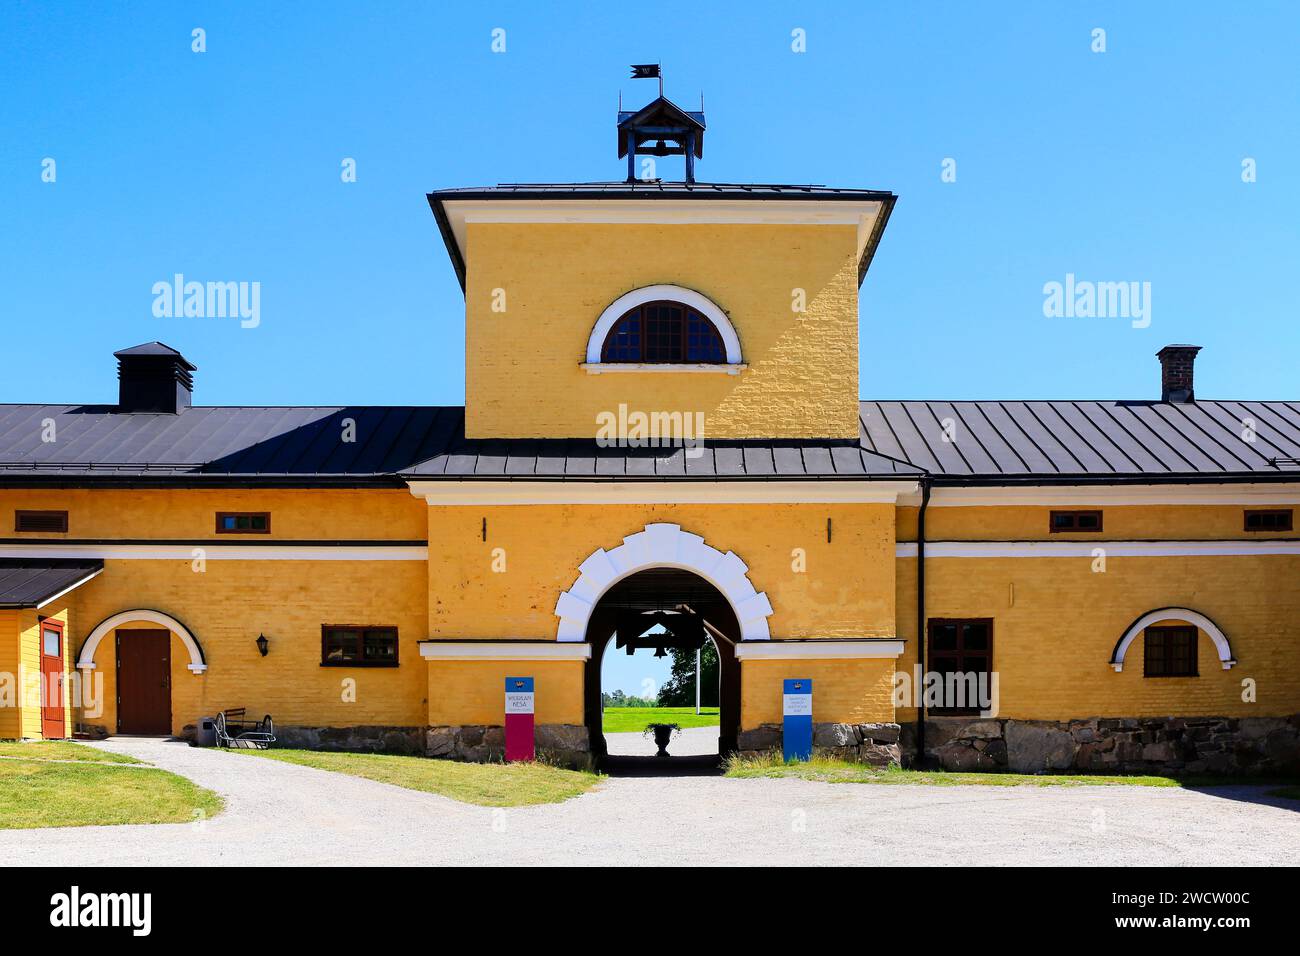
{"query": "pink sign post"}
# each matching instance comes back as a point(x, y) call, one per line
point(519, 719)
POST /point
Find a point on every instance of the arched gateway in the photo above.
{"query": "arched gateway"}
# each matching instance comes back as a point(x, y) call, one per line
point(664, 575)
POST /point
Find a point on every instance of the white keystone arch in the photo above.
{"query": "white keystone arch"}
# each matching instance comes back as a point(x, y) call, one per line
point(672, 293)
point(662, 545)
point(1173, 614)
point(86, 660)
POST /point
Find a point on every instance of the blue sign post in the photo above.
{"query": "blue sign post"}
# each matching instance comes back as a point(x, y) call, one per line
point(796, 708)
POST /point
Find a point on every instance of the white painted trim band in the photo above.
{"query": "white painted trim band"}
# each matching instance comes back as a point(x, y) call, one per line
point(1084, 549)
point(816, 650)
point(483, 493)
point(504, 651)
point(217, 552)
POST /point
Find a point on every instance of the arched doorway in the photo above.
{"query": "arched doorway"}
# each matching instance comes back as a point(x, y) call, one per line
point(684, 610)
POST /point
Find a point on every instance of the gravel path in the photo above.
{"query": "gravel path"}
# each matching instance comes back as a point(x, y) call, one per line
point(278, 813)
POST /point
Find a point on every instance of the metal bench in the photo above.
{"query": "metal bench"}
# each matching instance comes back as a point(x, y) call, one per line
point(235, 730)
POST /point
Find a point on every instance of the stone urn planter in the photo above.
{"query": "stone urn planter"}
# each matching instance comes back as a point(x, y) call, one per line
point(662, 733)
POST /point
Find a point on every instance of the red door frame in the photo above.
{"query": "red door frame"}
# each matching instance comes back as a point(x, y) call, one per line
point(53, 671)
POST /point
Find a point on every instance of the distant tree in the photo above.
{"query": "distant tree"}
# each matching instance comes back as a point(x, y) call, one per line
point(679, 690)
point(618, 698)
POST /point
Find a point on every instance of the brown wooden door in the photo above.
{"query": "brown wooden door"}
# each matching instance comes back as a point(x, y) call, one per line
point(144, 677)
point(52, 714)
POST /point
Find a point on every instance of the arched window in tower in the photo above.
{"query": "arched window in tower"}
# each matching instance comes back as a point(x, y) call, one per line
point(664, 333)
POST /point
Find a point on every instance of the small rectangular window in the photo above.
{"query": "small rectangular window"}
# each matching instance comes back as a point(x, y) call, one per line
point(243, 522)
point(1169, 652)
point(1075, 521)
point(1276, 520)
point(48, 521)
point(344, 645)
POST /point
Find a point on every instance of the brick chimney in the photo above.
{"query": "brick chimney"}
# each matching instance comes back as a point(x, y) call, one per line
point(1176, 363)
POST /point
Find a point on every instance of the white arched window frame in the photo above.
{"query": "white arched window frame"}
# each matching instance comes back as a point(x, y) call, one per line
point(668, 293)
point(1182, 614)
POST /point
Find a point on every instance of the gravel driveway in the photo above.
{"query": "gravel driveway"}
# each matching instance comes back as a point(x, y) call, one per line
point(278, 813)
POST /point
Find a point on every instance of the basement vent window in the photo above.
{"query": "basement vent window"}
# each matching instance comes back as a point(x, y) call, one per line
point(1279, 520)
point(1169, 652)
point(243, 522)
point(1075, 521)
point(50, 522)
point(353, 646)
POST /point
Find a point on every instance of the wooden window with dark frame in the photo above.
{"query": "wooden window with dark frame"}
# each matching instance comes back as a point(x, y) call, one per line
point(1277, 519)
point(243, 522)
point(1169, 651)
point(663, 333)
point(964, 648)
point(350, 645)
point(49, 522)
point(1074, 521)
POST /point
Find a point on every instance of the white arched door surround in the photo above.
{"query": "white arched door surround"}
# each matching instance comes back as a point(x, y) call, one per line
point(86, 659)
point(662, 545)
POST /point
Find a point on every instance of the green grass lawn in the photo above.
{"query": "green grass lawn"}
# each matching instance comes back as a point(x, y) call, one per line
point(485, 784)
point(621, 720)
point(61, 784)
point(59, 750)
point(841, 771)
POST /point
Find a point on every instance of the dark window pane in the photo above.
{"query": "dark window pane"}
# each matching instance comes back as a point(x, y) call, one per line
point(1169, 652)
point(380, 646)
point(1087, 522)
point(624, 341)
point(665, 333)
point(1062, 520)
point(342, 645)
point(975, 637)
point(943, 637)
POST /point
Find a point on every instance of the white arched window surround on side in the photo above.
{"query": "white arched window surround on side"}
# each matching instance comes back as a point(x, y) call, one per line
point(86, 659)
point(1173, 614)
point(670, 293)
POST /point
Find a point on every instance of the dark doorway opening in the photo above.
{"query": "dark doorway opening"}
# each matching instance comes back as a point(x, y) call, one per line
point(683, 609)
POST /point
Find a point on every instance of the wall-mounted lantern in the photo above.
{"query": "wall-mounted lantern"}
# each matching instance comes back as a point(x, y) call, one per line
point(262, 644)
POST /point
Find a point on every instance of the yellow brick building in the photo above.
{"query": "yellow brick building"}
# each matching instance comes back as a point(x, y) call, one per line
point(662, 424)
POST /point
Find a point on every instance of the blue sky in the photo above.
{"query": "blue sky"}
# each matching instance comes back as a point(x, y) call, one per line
point(225, 165)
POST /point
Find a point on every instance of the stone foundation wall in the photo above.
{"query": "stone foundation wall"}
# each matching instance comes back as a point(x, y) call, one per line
point(1191, 745)
point(391, 740)
point(874, 744)
point(564, 745)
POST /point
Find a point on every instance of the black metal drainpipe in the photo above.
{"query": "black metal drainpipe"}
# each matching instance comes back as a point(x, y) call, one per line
point(920, 619)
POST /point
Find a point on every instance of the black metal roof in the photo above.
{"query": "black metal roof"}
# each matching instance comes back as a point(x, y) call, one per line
point(30, 582)
point(1089, 439)
point(657, 189)
point(992, 442)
